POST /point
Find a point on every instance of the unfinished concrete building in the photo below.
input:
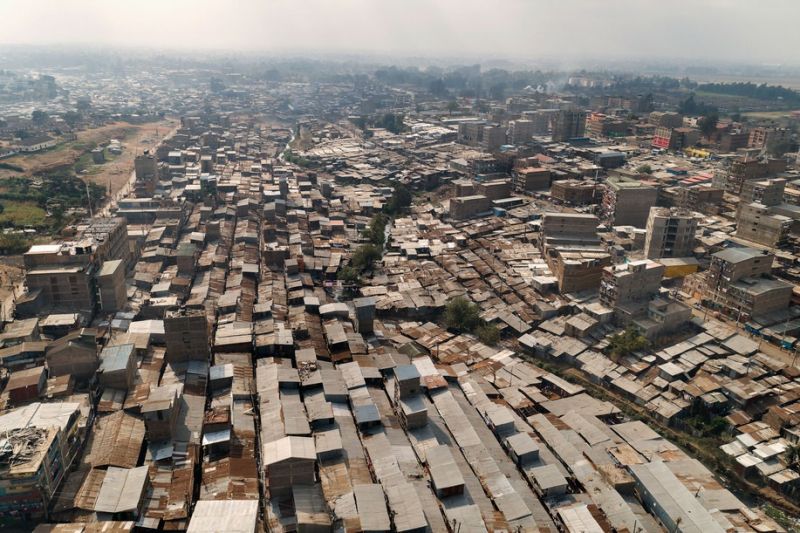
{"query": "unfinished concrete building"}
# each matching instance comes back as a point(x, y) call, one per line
point(111, 286)
point(572, 249)
point(632, 291)
point(627, 202)
point(466, 207)
point(739, 282)
point(670, 233)
point(186, 335)
point(573, 192)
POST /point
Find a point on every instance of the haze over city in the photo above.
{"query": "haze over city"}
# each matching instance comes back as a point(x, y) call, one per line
point(693, 30)
point(444, 266)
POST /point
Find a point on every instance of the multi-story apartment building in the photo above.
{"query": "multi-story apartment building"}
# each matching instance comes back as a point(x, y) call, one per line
point(738, 281)
point(670, 233)
point(568, 124)
point(41, 442)
point(632, 291)
point(627, 202)
point(574, 192)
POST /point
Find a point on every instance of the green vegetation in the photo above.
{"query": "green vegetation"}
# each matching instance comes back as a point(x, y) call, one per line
point(349, 275)
point(38, 117)
point(784, 520)
point(644, 169)
point(708, 124)
point(392, 122)
point(364, 256)
point(26, 201)
point(752, 90)
point(401, 198)
point(21, 214)
point(707, 426)
point(375, 231)
point(464, 316)
point(9, 166)
point(72, 118)
point(360, 261)
point(300, 161)
point(778, 148)
point(625, 343)
point(691, 107)
point(488, 334)
point(13, 244)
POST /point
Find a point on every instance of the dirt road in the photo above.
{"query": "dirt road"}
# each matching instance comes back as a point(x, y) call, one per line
point(11, 277)
point(134, 138)
point(118, 171)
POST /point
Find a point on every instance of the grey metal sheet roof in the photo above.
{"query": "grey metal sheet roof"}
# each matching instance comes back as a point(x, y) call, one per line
point(231, 516)
point(121, 490)
point(371, 507)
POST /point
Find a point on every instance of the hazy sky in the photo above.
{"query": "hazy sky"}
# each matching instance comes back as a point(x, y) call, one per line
point(762, 31)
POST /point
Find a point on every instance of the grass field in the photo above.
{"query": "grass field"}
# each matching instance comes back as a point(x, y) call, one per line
point(22, 214)
point(767, 115)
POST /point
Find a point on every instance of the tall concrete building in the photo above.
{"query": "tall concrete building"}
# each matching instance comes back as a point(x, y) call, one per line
point(627, 202)
point(60, 278)
point(574, 192)
point(632, 291)
point(631, 283)
point(768, 192)
point(465, 207)
point(110, 236)
point(187, 336)
point(493, 137)
point(521, 131)
point(568, 124)
point(146, 172)
point(757, 223)
point(745, 169)
point(763, 217)
point(111, 286)
point(365, 314)
point(738, 282)
point(541, 119)
point(573, 250)
point(665, 119)
point(670, 233)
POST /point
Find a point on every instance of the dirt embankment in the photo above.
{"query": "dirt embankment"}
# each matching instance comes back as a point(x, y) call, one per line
point(134, 138)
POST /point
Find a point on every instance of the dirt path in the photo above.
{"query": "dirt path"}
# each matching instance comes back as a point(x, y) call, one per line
point(134, 138)
point(118, 171)
point(11, 275)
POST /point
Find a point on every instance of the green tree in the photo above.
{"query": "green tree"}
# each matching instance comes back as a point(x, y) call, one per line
point(462, 315)
point(349, 275)
point(644, 169)
point(401, 198)
point(708, 124)
point(72, 118)
point(13, 244)
point(38, 117)
point(58, 215)
point(392, 122)
point(452, 106)
point(375, 231)
point(625, 343)
point(488, 334)
point(364, 256)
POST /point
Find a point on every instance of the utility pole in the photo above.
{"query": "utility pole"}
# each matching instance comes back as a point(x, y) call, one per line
point(89, 198)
